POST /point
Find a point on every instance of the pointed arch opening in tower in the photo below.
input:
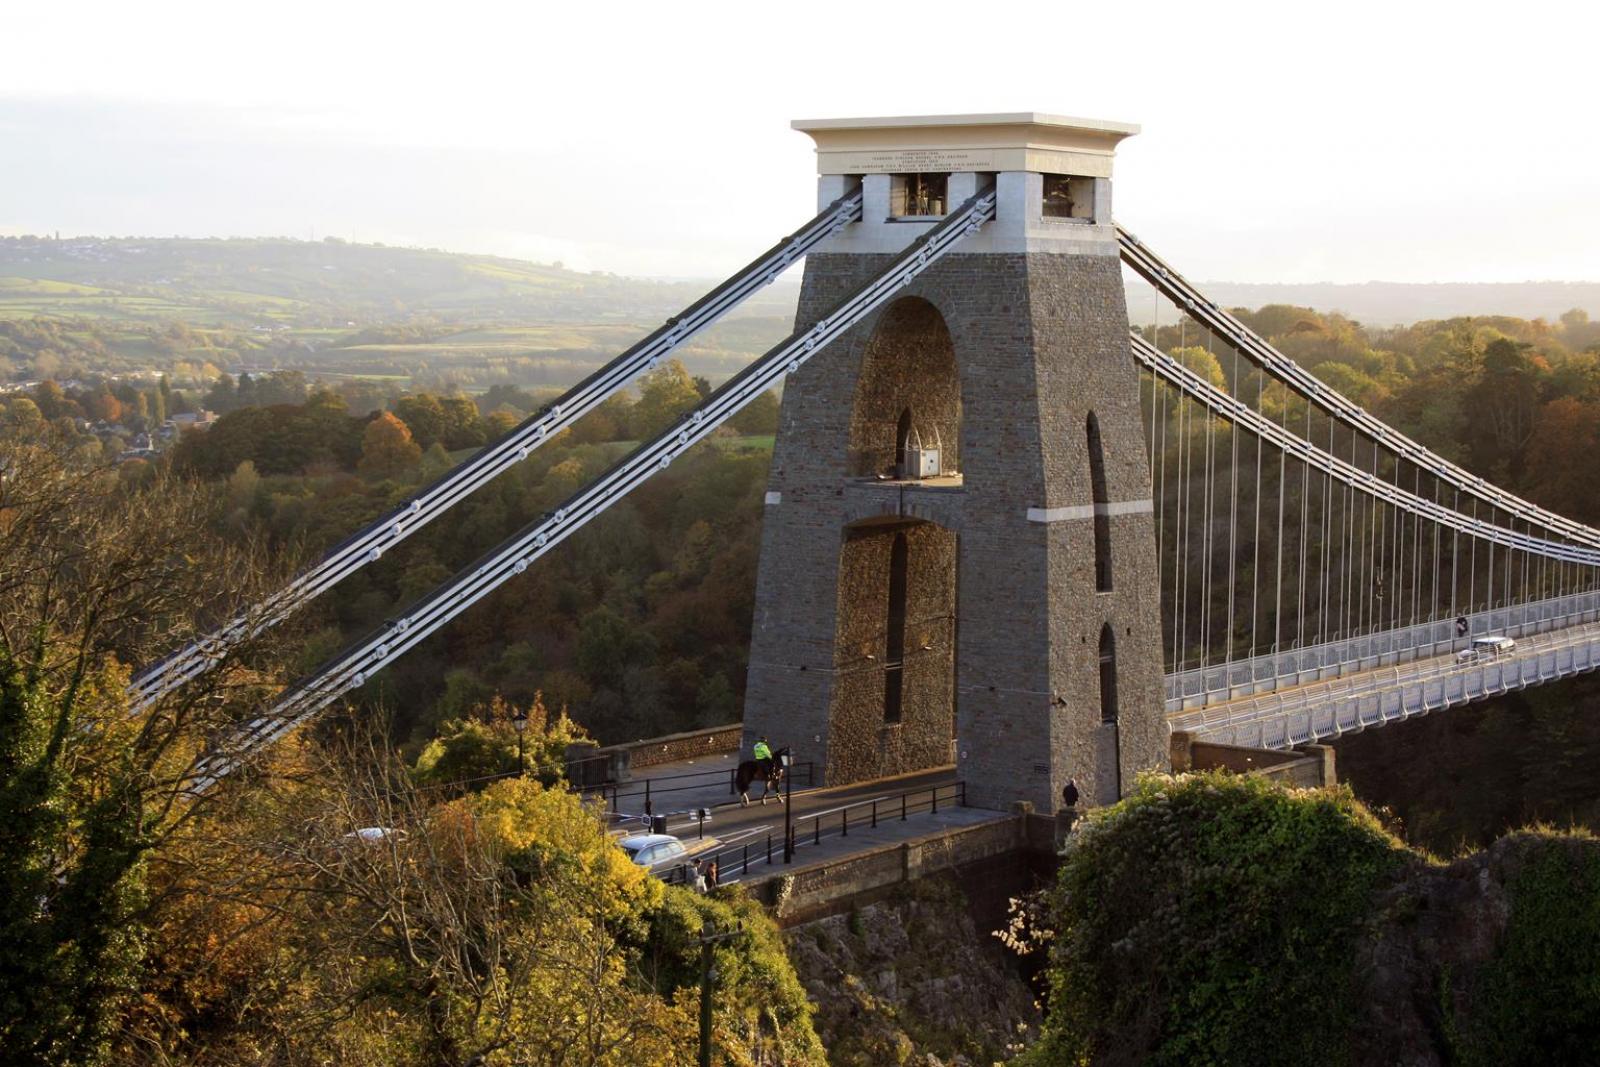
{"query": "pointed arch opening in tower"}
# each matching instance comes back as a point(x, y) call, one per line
point(894, 647)
point(1102, 516)
point(1112, 751)
point(905, 422)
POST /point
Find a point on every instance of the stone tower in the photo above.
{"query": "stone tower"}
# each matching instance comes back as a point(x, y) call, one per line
point(957, 556)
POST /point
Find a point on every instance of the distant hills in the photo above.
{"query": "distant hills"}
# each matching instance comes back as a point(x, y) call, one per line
point(251, 282)
point(1397, 303)
point(406, 315)
point(331, 283)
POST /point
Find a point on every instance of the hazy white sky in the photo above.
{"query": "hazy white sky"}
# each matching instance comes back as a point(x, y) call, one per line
point(1342, 141)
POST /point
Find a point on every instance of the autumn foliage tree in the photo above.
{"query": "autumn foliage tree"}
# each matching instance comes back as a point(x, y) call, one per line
point(387, 449)
point(97, 573)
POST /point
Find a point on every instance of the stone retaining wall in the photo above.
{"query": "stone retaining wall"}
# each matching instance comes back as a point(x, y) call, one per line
point(588, 765)
point(987, 855)
point(1310, 766)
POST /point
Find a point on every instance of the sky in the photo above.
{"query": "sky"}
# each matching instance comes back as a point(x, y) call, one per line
point(1397, 141)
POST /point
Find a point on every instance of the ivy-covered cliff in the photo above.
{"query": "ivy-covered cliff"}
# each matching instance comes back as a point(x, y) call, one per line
point(1220, 920)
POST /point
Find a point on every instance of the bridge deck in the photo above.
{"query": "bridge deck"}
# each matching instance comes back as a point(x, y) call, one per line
point(1280, 719)
point(703, 782)
point(1389, 694)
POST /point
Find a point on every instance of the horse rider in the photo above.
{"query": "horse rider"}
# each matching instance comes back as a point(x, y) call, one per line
point(761, 753)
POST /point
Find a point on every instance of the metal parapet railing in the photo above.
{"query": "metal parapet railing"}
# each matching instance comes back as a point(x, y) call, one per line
point(737, 860)
point(649, 789)
point(1391, 694)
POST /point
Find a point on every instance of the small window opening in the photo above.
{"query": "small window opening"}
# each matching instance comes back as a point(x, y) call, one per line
point(918, 195)
point(1108, 675)
point(1068, 197)
point(1102, 518)
point(895, 652)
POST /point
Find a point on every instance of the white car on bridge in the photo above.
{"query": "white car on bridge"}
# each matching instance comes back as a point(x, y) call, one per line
point(1483, 648)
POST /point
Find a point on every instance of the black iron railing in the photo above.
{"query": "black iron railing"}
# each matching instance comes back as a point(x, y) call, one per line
point(650, 791)
point(735, 861)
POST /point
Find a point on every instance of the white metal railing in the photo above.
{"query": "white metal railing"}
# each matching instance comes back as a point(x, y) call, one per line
point(1376, 697)
point(1201, 686)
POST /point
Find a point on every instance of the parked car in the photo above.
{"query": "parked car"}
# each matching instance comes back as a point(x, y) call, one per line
point(1483, 648)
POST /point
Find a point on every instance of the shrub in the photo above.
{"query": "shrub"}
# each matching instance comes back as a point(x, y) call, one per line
point(1199, 913)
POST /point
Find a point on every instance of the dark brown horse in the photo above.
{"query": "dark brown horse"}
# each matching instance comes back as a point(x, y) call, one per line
point(768, 771)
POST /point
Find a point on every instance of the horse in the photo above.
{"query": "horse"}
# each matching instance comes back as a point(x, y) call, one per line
point(769, 771)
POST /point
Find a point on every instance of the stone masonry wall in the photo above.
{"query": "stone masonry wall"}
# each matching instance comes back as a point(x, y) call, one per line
point(1038, 341)
point(864, 745)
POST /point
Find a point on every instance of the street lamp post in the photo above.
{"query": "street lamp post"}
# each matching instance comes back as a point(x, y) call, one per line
point(520, 722)
point(785, 759)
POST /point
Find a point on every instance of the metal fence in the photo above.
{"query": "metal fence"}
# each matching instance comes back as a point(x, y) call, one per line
point(736, 861)
point(1199, 687)
point(1342, 705)
point(650, 791)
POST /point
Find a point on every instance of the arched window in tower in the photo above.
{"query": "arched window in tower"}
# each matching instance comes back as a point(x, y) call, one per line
point(902, 441)
point(1108, 675)
point(895, 647)
point(1102, 518)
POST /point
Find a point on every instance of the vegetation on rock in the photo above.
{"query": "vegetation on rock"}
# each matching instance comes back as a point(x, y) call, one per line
point(1193, 918)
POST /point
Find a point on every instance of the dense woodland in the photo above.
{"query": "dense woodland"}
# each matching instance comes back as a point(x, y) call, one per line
point(138, 927)
point(641, 626)
point(250, 922)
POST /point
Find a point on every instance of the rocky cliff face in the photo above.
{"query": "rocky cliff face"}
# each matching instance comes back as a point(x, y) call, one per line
point(912, 980)
point(1485, 960)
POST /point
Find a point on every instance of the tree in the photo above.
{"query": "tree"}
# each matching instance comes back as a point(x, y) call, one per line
point(223, 397)
point(664, 394)
point(1561, 452)
point(760, 416)
point(52, 402)
point(424, 416)
point(608, 645)
point(1500, 409)
point(462, 427)
point(21, 416)
point(98, 572)
point(387, 449)
point(610, 421)
point(483, 930)
point(101, 404)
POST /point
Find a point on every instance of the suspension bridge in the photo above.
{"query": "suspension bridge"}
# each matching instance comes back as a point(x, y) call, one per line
point(1014, 535)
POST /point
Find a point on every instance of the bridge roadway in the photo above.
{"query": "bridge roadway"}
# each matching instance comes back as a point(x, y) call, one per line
point(1382, 695)
point(757, 825)
point(1279, 719)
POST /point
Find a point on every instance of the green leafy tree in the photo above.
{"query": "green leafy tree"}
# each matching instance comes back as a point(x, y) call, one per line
point(760, 416)
point(664, 394)
point(462, 427)
point(477, 749)
point(1193, 909)
point(424, 417)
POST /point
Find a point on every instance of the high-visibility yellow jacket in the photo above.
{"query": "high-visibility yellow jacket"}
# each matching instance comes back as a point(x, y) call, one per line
point(761, 751)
